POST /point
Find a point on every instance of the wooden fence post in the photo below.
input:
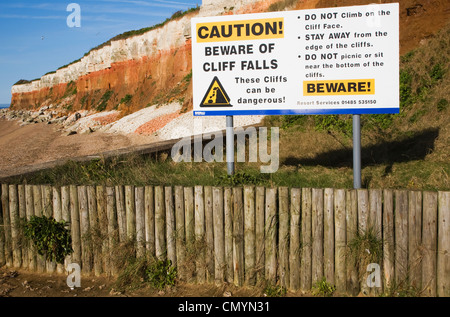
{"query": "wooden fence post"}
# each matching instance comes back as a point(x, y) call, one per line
point(351, 223)
point(443, 258)
point(219, 236)
point(259, 233)
point(47, 211)
point(415, 238)
point(306, 240)
point(375, 222)
point(328, 236)
point(238, 237)
point(283, 236)
point(22, 215)
point(363, 229)
point(340, 240)
point(271, 235)
point(75, 225)
point(228, 219)
point(317, 235)
point(376, 211)
point(121, 214)
point(170, 225)
point(209, 234)
point(294, 240)
point(29, 209)
point(86, 266)
point(149, 221)
point(14, 218)
point(190, 232)
point(100, 192)
point(180, 235)
point(113, 234)
point(249, 235)
point(401, 237)
point(200, 241)
point(2, 231)
point(65, 215)
point(140, 221)
point(160, 224)
point(38, 212)
point(130, 212)
point(429, 242)
point(95, 239)
point(388, 238)
point(7, 226)
point(57, 214)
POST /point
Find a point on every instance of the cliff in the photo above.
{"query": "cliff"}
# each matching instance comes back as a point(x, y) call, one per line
point(154, 68)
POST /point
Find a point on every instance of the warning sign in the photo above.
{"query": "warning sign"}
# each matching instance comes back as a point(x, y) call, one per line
point(216, 95)
point(339, 87)
point(340, 60)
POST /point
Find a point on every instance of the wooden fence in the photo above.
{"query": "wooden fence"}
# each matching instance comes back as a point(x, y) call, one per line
point(292, 237)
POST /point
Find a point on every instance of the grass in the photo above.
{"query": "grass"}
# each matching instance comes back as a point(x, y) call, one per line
point(274, 291)
point(322, 288)
point(139, 272)
point(140, 171)
point(366, 247)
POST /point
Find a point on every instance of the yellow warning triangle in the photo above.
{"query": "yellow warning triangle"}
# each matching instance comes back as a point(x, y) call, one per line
point(215, 96)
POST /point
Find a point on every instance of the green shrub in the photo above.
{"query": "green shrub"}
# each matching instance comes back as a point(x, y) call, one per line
point(407, 57)
point(71, 89)
point(161, 274)
point(22, 82)
point(188, 77)
point(406, 97)
point(333, 122)
point(242, 178)
point(442, 104)
point(293, 120)
point(126, 99)
point(437, 72)
point(50, 237)
point(274, 291)
point(382, 121)
point(366, 247)
point(323, 288)
point(104, 100)
point(132, 270)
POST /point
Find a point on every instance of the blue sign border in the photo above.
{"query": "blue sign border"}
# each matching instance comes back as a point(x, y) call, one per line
point(202, 113)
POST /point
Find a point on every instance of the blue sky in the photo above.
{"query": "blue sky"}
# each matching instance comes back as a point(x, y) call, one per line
point(35, 38)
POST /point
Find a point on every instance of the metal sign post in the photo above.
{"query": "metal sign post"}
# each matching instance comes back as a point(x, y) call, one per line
point(356, 151)
point(230, 145)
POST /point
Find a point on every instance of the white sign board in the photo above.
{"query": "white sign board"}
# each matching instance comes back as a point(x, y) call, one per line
point(341, 60)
